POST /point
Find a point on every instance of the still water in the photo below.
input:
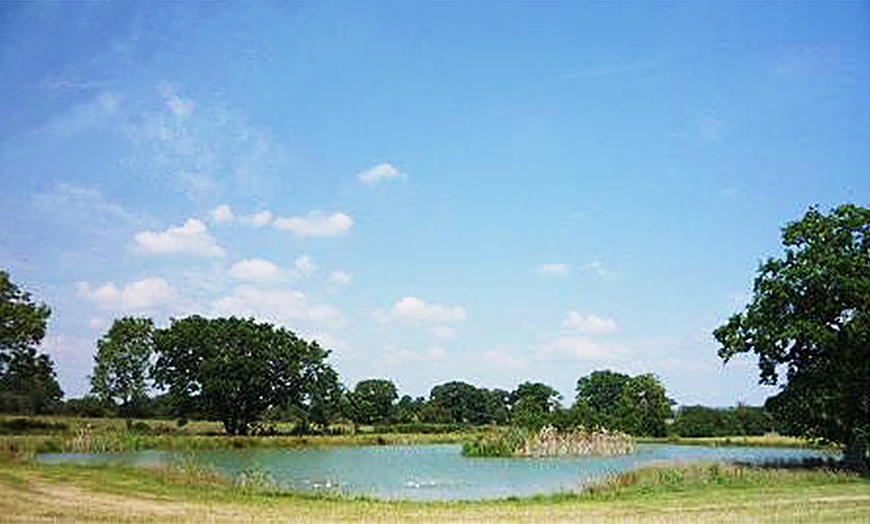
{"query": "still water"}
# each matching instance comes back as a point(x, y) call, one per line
point(432, 472)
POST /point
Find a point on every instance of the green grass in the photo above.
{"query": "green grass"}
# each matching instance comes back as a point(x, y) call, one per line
point(190, 493)
point(770, 440)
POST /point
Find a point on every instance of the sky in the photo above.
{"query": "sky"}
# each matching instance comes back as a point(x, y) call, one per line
point(488, 192)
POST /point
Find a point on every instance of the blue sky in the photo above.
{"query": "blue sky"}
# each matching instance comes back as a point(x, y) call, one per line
point(489, 192)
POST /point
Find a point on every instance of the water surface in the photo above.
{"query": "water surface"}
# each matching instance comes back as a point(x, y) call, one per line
point(432, 472)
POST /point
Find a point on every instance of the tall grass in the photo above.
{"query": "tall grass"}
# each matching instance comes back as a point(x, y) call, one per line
point(549, 442)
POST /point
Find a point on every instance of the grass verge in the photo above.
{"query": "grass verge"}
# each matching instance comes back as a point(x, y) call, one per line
point(701, 492)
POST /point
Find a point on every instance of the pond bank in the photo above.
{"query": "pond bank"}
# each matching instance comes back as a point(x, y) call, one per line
point(75, 493)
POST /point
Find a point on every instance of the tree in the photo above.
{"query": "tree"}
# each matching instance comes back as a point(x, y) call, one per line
point(637, 405)
point(810, 314)
point(29, 384)
point(234, 370)
point(599, 399)
point(459, 402)
point(27, 378)
point(533, 404)
point(645, 406)
point(22, 322)
point(372, 401)
point(122, 364)
point(409, 409)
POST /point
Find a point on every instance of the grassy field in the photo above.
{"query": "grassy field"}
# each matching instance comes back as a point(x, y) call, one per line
point(101, 435)
point(32, 492)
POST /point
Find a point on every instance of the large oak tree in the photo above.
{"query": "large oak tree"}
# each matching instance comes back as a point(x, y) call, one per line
point(234, 370)
point(809, 318)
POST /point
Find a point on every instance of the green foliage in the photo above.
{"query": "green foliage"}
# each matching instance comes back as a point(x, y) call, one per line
point(372, 401)
point(701, 421)
point(22, 322)
point(27, 378)
point(637, 405)
point(810, 314)
point(122, 364)
point(497, 443)
point(234, 370)
point(409, 410)
point(533, 405)
point(458, 402)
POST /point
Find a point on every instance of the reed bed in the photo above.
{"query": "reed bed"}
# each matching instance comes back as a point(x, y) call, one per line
point(549, 442)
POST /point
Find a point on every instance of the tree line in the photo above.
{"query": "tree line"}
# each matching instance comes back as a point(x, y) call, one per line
point(808, 322)
point(247, 374)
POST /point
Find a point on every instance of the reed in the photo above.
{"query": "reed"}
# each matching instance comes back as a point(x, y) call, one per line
point(549, 442)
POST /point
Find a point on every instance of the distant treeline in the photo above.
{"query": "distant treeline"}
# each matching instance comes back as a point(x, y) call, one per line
point(440, 413)
point(252, 375)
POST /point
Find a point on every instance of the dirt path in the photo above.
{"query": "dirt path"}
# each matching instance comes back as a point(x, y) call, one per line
point(38, 500)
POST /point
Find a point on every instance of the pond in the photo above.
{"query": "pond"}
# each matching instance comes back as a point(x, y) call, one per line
point(432, 472)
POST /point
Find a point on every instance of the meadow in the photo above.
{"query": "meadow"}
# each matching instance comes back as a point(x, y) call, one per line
point(192, 492)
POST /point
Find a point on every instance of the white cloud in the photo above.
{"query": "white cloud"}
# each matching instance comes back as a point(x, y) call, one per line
point(254, 269)
point(141, 295)
point(553, 270)
point(222, 214)
point(503, 359)
point(436, 353)
point(598, 269)
point(192, 238)
point(402, 356)
point(304, 265)
point(412, 308)
point(379, 172)
point(316, 224)
point(261, 219)
point(580, 348)
point(280, 306)
point(591, 324)
point(340, 278)
point(443, 332)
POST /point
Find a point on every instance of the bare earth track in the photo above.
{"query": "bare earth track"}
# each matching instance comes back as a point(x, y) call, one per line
point(30, 496)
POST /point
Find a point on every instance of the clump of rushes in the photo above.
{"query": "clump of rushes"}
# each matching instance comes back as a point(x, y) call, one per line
point(549, 442)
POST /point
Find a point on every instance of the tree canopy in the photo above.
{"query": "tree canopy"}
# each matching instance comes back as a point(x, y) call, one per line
point(809, 316)
point(637, 405)
point(27, 378)
point(234, 370)
point(372, 401)
point(122, 364)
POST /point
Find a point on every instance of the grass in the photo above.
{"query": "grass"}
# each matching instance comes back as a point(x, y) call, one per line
point(770, 440)
point(96, 435)
point(705, 492)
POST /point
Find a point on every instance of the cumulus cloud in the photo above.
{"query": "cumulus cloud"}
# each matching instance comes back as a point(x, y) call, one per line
point(141, 295)
point(261, 219)
point(340, 278)
point(192, 238)
point(380, 172)
point(316, 224)
point(591, 324)
point(443, 332)
point(597, 268)
point(412, 308)
point(401, 356)
point(280, 306)
point(553, 270)
point(305, 266)
point(222, 214)
point(254, 269)
point(503, 359)
point(579, 347)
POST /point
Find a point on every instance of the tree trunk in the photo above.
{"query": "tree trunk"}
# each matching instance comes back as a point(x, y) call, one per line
point(855, 454)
